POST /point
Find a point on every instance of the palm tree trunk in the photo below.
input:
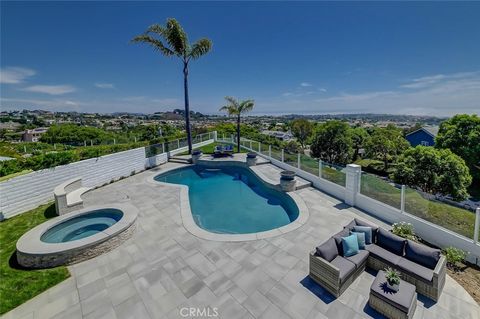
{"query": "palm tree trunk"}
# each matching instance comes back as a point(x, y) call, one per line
point(187, 108)
point(238, 133)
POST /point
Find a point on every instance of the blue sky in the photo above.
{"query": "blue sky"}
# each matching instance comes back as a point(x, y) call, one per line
point(291, 57)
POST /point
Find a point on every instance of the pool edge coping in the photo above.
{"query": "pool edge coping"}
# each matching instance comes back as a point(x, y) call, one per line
point(31, 244)
point(192, 227)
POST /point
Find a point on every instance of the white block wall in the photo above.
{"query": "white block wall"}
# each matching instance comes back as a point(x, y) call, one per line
point(28, 191)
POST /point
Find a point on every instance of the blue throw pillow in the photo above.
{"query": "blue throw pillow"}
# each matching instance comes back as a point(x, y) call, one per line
point(350, 245)
point(360, 239)
point(367, 231)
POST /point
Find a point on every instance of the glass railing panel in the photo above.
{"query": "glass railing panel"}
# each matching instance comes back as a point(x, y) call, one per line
point(334, 173)
point(381, 190)
point(428, 207)
point(309, 164)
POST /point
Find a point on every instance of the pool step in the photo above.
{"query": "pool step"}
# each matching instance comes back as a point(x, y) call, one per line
point(180, 159)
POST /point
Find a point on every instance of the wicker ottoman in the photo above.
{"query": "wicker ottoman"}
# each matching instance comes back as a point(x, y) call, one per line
point(396, 305)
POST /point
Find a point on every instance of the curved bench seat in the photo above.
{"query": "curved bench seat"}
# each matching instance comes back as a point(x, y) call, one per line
point(68, 195)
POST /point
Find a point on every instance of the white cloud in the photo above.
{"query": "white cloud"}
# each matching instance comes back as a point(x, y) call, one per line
point(305, 84)
point(50, 89)
point(432, 80)
point(324, 90)
point(105, 85)
point(15, 75)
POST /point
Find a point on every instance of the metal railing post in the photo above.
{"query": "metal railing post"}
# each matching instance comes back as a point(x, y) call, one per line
point(251, 149)
point(477, 225)
point(178, 143)
point(163, 147)
point(402, 200)
point(259, 147)
point(320, 168)
point(298, 160)
point(270, 151)
point(283, 155)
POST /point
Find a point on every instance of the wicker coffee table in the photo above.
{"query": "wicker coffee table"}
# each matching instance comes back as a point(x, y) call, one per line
point(399, 304)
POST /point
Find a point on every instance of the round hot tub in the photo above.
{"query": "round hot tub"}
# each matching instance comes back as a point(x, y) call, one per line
point(76, 236)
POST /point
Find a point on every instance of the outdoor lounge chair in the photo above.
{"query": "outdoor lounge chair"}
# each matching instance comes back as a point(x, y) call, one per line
point(228, 150)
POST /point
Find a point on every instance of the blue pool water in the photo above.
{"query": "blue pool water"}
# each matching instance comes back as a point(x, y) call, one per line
point(82, 226)
point(232, 200)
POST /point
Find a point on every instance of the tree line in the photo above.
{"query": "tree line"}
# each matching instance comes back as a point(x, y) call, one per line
point(448, 168)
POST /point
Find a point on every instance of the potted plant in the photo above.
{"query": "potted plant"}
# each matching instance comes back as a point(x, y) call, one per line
point(393, 279)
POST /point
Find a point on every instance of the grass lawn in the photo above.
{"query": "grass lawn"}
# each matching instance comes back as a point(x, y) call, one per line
point(17, 285)
point(457, 219)
point(208, 149)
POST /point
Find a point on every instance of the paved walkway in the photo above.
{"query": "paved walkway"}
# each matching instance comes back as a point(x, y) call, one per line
point(163, 268)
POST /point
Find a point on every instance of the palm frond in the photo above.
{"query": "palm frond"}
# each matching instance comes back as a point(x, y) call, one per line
point(177, 38)
point(246, 106)
point(230, 109)
point(154, 43)
point(199, 48)
point(158, 29)
point(231, 100)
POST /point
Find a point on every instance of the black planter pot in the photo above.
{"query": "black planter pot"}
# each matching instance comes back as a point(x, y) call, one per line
point(197, 152)
point(287, 175)
point(251, 155)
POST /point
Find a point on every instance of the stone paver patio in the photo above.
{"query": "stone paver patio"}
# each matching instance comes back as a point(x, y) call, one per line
point(163, 268)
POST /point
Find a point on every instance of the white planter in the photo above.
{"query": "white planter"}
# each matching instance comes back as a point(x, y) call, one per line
point(394, 287)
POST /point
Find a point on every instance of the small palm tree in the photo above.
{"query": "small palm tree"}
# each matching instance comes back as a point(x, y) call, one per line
point(171, 40)
point(237, 108)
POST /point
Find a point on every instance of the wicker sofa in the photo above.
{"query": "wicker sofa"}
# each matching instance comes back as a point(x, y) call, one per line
point(418, 264)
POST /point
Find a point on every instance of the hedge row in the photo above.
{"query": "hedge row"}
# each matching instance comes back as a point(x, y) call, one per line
point(52, 159)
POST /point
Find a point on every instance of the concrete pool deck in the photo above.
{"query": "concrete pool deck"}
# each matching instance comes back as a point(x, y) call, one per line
point(164, 268)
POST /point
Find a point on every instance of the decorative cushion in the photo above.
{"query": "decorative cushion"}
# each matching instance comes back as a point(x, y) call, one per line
point(328, 250)
point(359, 259)
point(338, 239)
point(346, 267)
point(360, 239)
point(422, 254)
point(374, 227)
point(350, 225)
point(415, 270)
point(391, 242)
point(367, 231)
point(350, 245)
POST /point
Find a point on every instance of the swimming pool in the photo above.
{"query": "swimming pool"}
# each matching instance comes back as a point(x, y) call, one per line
point(232, 200)
point(82, 226)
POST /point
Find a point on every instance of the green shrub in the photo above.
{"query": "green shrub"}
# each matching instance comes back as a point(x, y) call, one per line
point(11, 167)
point(454, 257)
point(404, 230)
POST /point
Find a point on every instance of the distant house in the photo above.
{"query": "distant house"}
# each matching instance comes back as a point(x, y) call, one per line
point(423, 136)
point(284, 136)
point(34, 135)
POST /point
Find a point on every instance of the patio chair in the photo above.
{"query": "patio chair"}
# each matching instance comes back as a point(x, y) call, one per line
point(228, 150)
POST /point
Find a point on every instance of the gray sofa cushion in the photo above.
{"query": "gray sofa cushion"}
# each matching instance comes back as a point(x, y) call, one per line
point(383, 254)
point(359, 259)
point(375, 228)
point(415, 270)
point(328, 250)
point(338, 239)
point(391, 242)
point(422, 254)
point(346, 267)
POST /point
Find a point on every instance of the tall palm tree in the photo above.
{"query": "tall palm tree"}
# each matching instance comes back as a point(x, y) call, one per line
point(171, 40)
point(237, 108)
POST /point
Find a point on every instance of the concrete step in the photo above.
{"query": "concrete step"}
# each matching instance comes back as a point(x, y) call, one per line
point(181, 160)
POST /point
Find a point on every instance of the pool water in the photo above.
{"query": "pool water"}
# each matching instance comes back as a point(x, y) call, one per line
point(82, 226)
point(232, 200)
